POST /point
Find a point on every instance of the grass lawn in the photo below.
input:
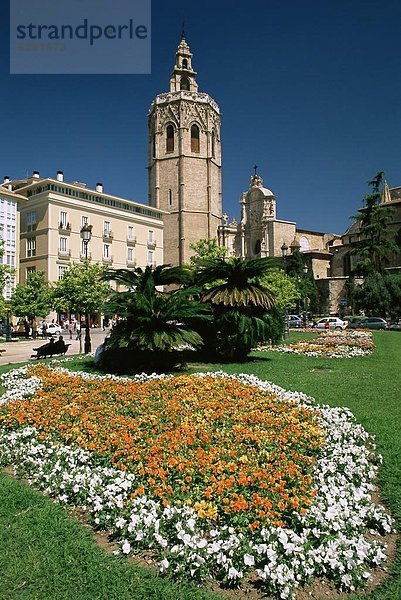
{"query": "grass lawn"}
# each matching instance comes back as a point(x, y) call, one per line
point(44, 553)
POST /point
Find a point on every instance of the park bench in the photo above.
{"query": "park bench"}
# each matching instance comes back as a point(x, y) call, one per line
point(46, 350)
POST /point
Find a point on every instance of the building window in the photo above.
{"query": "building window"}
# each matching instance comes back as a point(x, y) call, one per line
point(195, 146)
point(151, 257)
point(304, 243)
point(184, 63)
point(154, 145)
point(61, 271)
point(170, 138)
point(10, 259)
point(30, 247)
point(184, 84)
point(170, 197)
point(130, 234)
point(213, 144)
point(63, 219)
point(31, 220)
point(106, 251)
point(63, 248)
point(30, 271)
point(106, 227)
point(151, 237)
point(130, 255)
point(84, 221)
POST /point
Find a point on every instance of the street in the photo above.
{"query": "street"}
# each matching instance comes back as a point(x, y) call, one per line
point(21, 350)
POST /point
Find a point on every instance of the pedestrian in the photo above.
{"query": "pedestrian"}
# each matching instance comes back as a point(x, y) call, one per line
point(44, 330)
point(71, 329)
point(66, 324)
point(78, 330)
point(34, 329)
point(27, 328)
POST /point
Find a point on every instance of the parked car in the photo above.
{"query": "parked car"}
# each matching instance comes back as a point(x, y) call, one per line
point(353, 321)
point(294, 321)
point(396, 326)
point(52, 329)
point(373, 323)
point(333, 323)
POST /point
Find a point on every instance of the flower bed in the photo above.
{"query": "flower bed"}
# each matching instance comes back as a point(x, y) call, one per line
point(217, 475)
point(331, 344)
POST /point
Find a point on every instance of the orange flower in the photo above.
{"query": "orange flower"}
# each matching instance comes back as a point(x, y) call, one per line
point(187, 439)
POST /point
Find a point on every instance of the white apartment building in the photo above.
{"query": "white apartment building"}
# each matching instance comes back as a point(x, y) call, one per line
point(10, 202)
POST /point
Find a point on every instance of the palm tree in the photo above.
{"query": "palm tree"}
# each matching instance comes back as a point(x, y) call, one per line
point(154, 325)
point(236, 282)
point(147, 279)
point(239, 303)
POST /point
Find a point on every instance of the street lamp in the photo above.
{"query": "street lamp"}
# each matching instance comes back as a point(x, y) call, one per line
point(8, 327)
point(284, 252)
point(306, 299)
point(86, 234)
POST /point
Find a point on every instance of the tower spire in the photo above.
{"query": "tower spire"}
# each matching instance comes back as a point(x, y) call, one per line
point(183, 75)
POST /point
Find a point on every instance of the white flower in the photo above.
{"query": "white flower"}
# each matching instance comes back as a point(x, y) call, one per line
point(126, 547)
point(164, 565)
point(249, 560)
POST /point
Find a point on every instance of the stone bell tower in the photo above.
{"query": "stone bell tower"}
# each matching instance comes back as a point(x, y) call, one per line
point(184, 160)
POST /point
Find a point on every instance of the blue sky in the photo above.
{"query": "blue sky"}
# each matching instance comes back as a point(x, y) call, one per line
point(309, 91)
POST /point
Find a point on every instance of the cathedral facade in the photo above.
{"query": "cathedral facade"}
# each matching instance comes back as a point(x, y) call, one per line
point(184, 165)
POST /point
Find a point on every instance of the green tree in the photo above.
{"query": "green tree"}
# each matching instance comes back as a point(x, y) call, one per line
point(239, 302)
point(5, 274)
point(380, 291)
point(380, 294)
point(376, 237)
point(34, 299)
point(373, 296)
point(82, 289)
point(207, 249)
point(155, 325)
point(307, 289)
point(282, 287)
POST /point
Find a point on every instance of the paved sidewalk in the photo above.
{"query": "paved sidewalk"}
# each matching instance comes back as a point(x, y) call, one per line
point(21, 350)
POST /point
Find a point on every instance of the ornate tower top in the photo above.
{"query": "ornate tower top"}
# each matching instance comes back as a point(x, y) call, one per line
point(256, 180)
point(183, 75)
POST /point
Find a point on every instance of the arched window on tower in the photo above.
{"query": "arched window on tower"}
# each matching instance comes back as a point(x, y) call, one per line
point(153, 145)
point(184, 84)
point(170, 138)
point(195, 147)
point(184, 63)
point(213, 144)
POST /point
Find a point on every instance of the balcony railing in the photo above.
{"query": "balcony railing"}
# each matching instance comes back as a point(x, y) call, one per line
point(131, 241)
point(107, 260)
point(107, 235)
point(151, 244)
point(82, 255)
point(64, 228)
point(64, 254)
point(131, 263)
